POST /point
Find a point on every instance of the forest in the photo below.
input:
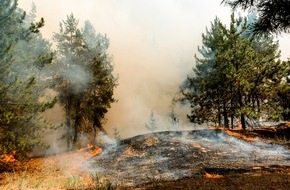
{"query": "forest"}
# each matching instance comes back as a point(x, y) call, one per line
point(79, 70)
point(238, 82)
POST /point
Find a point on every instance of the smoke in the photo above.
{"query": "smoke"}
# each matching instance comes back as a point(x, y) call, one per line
point(153, 45)
point(217, 141)
point(76, 74)
point(106, 140)
point(153, 53)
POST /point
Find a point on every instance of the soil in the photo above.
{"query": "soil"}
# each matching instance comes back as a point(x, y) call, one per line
point(258, 181)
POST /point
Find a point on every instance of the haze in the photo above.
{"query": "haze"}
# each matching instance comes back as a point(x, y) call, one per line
point(153, 43)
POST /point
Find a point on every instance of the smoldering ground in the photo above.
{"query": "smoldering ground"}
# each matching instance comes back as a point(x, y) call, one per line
point(176, 155)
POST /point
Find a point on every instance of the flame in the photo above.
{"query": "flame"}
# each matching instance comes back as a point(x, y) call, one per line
point(240, 135)
point(94, 151)
point(89, 146)
point(213, 176)
point(9, 158)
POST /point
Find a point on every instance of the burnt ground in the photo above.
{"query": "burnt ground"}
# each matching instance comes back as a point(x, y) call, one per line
point(201, 159)
point(190, 157)
point(273, 181)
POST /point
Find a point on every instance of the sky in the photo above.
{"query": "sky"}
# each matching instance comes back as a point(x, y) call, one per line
point(153, 43)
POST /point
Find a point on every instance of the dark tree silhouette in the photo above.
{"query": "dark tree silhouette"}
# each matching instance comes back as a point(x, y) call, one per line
point(274, 15)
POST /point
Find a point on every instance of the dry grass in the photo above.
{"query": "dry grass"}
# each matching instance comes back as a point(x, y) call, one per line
point(63, 171)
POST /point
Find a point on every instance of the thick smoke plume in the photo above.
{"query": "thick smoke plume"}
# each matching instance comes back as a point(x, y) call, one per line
point(153, 45)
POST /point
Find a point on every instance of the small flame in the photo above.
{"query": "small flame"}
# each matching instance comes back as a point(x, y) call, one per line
point(94, 151)
point(213, 176)
point(9, 158)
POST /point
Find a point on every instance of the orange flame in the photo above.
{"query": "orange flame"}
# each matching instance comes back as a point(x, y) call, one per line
point(9, 158)
point(213, 176)
point(94, 151)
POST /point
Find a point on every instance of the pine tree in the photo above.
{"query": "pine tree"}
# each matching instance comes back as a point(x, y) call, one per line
point(274, 15)
point(236, 77)
point(99, 95)
point(85, 80)
point(207, 89)
point(70, 74)
point(20, 90)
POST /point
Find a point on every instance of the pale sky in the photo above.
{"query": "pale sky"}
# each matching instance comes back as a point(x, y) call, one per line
point(153, 43)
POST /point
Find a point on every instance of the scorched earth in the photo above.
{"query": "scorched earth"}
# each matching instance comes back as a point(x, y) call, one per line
point(165, 156)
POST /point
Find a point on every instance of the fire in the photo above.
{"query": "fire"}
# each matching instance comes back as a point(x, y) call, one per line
point(9, 158)
point(94, 151)
point(241, 136)
point(213, 176)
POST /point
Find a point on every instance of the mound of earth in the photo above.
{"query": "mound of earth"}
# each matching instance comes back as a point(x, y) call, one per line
point(171, 156)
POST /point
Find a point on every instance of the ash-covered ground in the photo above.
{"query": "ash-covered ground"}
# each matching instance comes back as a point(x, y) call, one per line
point(175, 155)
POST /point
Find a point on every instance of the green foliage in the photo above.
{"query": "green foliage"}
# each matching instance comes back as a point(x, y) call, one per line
point(237, 76)
point(273, 14)
point(99, 183)
point(102, 183)
point(73, 182)
point(84, 76)
point(281, 96)
point(99, 95)
point(20, 89)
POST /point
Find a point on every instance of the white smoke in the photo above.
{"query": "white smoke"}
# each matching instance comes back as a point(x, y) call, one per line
point(152, 43)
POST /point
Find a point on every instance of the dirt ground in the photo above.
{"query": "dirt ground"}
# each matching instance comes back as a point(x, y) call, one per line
point(66, 171)
point(257, 181)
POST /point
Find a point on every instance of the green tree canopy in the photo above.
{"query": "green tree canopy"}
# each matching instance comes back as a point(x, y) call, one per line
point(84, 74)
point(236, 77)
point(274, 15)
point(20, 89)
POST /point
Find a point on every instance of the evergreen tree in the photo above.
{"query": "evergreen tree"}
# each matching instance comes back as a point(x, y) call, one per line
point(85, 79)
point(69, 72)
point(99, 95)
point(20, 91)
point(274, 15)
point(237, 76)
point(207, 89)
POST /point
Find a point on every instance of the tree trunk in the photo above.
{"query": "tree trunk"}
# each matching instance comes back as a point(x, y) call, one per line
point(253, 103)
point(68, 127)
point(225, 113)
point(219, 113)
point(94, 135)
point(243, 121)
point(232, 109)
point(232, 120)
point(219, 119)
point(77, 122)
point(258, 103)
point(97, 125)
